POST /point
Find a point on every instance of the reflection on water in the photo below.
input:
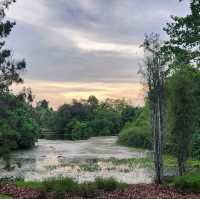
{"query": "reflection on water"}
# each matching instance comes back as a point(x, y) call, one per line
point(81, 160)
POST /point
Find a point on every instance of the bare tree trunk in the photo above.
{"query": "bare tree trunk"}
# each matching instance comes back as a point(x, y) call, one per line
point(154, 73)
point(181, 167)
point(158, 141)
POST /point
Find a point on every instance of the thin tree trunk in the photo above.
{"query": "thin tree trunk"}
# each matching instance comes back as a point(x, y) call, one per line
point(158, 141)
point(181, 167)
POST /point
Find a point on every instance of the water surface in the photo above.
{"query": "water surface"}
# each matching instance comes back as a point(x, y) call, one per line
point(81, 160)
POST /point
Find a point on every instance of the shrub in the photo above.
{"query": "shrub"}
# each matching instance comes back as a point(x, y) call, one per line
point(137, 134)
point(188, 183)
point(60, 185)
point(108, 184)
point(87, 189)
point(138, 137)
point(196, 146)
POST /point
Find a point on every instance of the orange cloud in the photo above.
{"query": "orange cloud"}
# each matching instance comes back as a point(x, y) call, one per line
point(58, 93)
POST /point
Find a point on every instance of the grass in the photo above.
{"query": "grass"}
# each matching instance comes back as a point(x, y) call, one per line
point(170, 161)
point(89, 167)
point(67, 185)
point(60, 185)
point(188, 183)
point(29, 184)
point(131, 162)
point(108, 184)
point(5, 197)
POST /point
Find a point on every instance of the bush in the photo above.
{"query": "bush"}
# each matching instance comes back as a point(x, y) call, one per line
point(137, 134)
point(17, 121)
point(108, 184)
point(60, 185)
point(196, 146)
point(188, 183)
point(87, 189)
point(138, 137)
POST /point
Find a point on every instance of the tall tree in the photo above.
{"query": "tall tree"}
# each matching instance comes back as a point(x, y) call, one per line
point(154, 75)
point(182, 112)
point(9, 68)
point(184, 33)
point(9, 72)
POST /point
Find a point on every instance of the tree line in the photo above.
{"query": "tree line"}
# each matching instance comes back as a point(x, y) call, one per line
point(83, 119)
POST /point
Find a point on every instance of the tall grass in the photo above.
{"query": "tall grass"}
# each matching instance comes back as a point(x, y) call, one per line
point(62, 185)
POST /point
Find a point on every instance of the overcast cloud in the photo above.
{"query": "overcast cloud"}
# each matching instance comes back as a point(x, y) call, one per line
point(86, 46)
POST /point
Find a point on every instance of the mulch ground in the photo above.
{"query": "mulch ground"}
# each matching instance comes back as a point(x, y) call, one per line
point(131, 192)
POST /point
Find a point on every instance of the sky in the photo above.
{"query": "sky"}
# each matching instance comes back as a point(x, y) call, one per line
point(78, 48)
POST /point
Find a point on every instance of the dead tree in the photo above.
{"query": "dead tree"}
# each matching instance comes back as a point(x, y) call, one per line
point(153, 71)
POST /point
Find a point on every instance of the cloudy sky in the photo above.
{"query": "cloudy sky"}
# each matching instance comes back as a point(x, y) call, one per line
point(77, 48)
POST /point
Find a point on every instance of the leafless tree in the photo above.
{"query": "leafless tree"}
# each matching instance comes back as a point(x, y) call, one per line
point(154, 72)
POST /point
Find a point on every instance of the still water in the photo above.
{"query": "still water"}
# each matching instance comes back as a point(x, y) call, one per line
point(81, 160)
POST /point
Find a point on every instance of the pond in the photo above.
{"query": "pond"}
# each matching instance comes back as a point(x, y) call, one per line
point(82, 160)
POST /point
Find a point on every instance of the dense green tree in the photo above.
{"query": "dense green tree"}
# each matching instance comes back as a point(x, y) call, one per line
point(9, 68)
point(93, 101)
point(184, 33)
point(182, 112)
point(45, 115)
point(8, 141)
point(19, 116)
point(44, 104)
point(138, 132)
point(86, 118)
point(79, 110)
point(62, 118)
point(18, 126)
point(80, 130)
point(129, 113)
point(183, 49)
point(196, 145)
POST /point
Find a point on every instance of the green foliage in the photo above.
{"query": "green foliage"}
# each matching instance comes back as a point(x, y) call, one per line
point(108, 184)
point(8, 142)
point(80, 130)
point(5, 197)
point(138, 137)
point(18, 126)
point(29, 184)
point(188, 183)
point(86, 189)
point(137, 134)
point(62, 185)
point(45, 115)
point(9, 68)
point(196, 146)
point(184, 36)
point(181, 113)
point(88, 118)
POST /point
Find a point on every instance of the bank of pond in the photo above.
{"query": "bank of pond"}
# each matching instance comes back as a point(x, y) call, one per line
point(187, 186)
